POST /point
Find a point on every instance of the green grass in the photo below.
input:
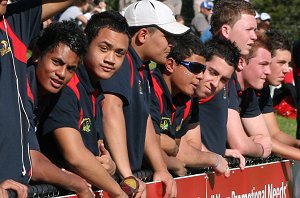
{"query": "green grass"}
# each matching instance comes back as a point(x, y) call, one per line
point(287, 125)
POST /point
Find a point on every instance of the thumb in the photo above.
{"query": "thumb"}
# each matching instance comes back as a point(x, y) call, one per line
point(103, 150)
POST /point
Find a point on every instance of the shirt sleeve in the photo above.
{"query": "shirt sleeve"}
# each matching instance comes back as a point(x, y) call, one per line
point(64, 112)
point(249, 104)
point(232, 96)
point(265, 100)
point(119, 83)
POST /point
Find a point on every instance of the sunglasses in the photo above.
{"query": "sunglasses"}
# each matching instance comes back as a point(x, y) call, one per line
point(193, 67)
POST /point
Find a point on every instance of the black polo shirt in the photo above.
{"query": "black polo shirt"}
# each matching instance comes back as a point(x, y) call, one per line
point(78, 107)
point(132, 84)
point(169, 114)
point(245, 102)
point(264, 99)
point(23, 24)
point(212, 115)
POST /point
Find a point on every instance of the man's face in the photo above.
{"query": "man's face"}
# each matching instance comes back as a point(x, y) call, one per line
point(216, 75)
point(106, 53)
point(3, 5)
point(279, 67)
point(158, 47)
point(56, 68)
point(243, 33)
point(184, 80)
point(256, 71)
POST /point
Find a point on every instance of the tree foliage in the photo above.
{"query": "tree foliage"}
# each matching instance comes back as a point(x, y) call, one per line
point(284, 15)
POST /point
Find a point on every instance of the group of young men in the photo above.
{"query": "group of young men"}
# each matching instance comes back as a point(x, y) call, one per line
point(88, 102)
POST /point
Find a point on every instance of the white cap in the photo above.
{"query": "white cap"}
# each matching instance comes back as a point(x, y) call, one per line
point(156, 13)
point(265, 16)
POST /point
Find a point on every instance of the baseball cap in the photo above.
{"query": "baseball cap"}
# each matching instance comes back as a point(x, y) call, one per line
point(265, 16)
point(207, 4)
point(153, 13)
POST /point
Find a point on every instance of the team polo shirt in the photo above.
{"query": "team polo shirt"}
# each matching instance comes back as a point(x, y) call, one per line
point(132, 84)
point(245, 102)
point(168, 113)
point(264, 99)
point(78, 106)
point(23, 24)
point(211, 113)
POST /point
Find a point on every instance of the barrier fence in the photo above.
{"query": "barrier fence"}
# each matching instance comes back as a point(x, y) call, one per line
point(262, 178)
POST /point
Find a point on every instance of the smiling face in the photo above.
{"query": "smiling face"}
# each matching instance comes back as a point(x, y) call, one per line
point(217, 73)
point(106, 53)
point(279, 67)
point(243, 33)
point(185, 81)
point(256, 71)
point(56, 68)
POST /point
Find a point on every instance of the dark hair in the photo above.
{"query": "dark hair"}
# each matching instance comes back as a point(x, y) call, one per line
point(229, 12)
point(111, 19)
point(262, 41)
point(223, 48)
point(183, 47)
point(277, 41)
point(65, 32)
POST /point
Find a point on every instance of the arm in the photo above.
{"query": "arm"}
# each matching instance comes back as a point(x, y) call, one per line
point(52, 7)
point(238, 138)
point(83, 162)
point(82, 19)
point(153, 153)
point(194, 157)
point(276, 133)
point(20, 189)
point(168, 144)
point(44, 170)
point(115, 135)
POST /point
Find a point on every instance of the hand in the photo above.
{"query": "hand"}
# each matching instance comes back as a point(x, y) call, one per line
point(236, 154)
point(167, 179)
point(106, 160)
point(221, 166)
point(84, 189)
point(21, 189)
point(142, 189)
point(265, 142)
point(179, 167)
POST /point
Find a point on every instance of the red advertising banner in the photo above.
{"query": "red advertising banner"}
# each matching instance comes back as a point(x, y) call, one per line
point(271, 180)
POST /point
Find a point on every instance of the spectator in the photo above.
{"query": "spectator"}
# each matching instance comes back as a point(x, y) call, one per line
point(76, 12)
point(23, 19)
point(202, 20)
point(264, 22)
point(78, 130)
point(282, 144)
point(249, 138)
point(196, 6)
point(180, 19)
point(231, 19)
point(127, 94)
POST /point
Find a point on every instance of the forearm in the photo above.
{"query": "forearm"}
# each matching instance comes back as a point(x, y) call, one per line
point(284, 150)
point(46, 171)
point(286, 139)
point(115, 133)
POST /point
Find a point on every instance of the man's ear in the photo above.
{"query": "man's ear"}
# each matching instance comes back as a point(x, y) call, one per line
point(142, 35)
point(241, 64)
point(169, 65)
point(225, 31)
point(35, 54)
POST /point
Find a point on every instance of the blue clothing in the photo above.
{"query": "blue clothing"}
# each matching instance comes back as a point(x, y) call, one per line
point(23, 20)
point(265, 100)
point(170, 115)
point(132, 84)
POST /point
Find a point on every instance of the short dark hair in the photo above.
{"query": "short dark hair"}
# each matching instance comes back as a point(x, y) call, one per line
point(278, 41)
point(229, 12)
point(111, 19)
point(223, 48)
point(262, 41)
point(65, 32)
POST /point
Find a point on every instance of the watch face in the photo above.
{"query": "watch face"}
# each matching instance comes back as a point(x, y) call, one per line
point(130, 185)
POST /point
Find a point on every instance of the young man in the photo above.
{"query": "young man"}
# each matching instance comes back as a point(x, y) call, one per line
point(20, 22)
point(127, 125)
point(282, 144)
point(243, 110)
point(235, 21)
point(73, 120)
point(174, 85)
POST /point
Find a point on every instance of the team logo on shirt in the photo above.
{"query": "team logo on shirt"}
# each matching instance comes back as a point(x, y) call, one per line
point(4, 48)
point(165, 123)
point(85, 125)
